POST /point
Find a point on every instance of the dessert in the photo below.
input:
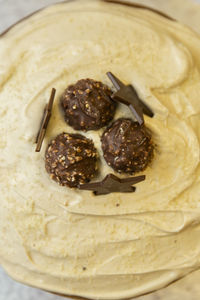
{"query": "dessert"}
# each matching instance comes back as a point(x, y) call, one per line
point(127, 146)
point(71, 159)
point(87, 105)
point(71, 241)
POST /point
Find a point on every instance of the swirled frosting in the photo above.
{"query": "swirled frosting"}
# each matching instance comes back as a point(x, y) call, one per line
point(69, 241)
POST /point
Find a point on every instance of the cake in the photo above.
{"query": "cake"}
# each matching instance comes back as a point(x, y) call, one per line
point(70, 241)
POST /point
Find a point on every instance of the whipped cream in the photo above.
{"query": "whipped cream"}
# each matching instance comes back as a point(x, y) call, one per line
point(69, 241)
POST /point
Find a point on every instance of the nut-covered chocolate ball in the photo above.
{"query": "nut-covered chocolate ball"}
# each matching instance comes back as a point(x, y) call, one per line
point(71, 159)
point(87, 105)
point(127, 146)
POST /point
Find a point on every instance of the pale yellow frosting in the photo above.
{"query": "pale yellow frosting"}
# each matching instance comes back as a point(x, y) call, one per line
point(70, 241)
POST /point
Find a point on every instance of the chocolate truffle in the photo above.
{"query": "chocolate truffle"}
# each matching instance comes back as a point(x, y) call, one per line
point(71, 159)
point(87, 105)
point(127, 146)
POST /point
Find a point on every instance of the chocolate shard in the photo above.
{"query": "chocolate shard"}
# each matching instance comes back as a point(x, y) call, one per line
point(127, 95)
point(146, 109)
point(45, 120)
point(115, 81)
point(112, 184)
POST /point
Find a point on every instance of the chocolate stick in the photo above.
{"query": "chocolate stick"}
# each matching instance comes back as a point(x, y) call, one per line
point(45, 120)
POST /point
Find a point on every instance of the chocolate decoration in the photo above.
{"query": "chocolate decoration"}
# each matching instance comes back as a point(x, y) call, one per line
point(127, 146)
point(45, 121)
point(87, 105)
point(127, 95)
point(112, 184)
point(71, 159)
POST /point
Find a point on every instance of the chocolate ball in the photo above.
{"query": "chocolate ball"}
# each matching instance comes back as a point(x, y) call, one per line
point(87, 105)
point(127, 146)
point(71, 159)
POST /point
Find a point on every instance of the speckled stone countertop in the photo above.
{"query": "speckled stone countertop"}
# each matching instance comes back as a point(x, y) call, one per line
point(188, 12)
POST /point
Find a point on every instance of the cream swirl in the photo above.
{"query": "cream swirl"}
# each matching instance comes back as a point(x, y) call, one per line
point(69, 241)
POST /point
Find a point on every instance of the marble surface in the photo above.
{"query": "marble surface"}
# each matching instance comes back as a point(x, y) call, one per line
point(187, 11)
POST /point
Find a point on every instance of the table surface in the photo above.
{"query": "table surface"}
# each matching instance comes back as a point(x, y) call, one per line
point(187, 11)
